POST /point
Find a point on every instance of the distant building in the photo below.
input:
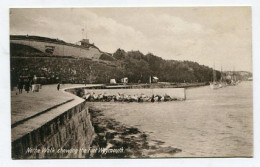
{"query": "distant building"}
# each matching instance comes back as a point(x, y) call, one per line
point(155, 79)
point(112, 81)
point(84, 42)
point(124, 80)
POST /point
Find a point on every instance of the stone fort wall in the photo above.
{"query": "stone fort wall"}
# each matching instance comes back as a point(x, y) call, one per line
point(61, 49)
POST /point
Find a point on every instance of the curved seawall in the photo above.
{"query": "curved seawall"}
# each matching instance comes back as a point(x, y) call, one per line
point(65, 131)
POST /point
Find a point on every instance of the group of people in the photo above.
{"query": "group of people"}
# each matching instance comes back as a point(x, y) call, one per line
point(103, 97)
point(24, 84)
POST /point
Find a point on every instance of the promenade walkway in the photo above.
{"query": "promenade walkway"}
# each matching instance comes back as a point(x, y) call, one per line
point(28, 104)
point(30, 111)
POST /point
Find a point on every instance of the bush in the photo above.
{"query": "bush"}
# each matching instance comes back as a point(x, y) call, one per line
point(106, 57)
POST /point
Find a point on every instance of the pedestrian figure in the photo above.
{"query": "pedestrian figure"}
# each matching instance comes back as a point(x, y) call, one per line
point(30, 84)
point(58, 86)
point(20, 86)
point(27, 86)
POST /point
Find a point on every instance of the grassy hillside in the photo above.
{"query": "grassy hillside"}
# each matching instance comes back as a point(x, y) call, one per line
point(26, 61)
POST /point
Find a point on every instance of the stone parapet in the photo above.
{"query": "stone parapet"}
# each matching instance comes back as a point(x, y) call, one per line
point(63, 132)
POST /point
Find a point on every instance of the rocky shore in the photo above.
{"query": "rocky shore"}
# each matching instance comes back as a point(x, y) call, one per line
point(103, 97)
point(115, 140)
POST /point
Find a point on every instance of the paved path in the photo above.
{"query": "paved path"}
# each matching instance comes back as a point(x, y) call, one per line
point(38, 121)
point(26, 105)
point(27, 108)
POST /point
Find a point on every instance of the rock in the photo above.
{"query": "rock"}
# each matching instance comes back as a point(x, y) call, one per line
point(117, 143)
point(144, 135)
point(133, 130)
point(110, 135)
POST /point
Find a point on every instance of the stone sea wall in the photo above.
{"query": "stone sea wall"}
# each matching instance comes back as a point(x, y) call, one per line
point(69, 135)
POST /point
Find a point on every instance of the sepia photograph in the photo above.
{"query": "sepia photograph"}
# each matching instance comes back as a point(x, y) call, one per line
point(131, 82)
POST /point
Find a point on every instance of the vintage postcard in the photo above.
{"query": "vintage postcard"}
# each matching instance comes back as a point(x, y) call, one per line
point(131, 82)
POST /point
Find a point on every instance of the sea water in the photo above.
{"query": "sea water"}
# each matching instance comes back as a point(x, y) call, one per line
point(210, 123)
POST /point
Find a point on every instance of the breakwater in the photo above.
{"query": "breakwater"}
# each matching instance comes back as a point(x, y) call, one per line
point(135, 95)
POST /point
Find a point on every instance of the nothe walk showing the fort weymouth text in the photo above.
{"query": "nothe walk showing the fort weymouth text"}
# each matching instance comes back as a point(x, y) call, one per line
point(131, 82)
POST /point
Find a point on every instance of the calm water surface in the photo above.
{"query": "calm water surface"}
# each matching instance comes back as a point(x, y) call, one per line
point(210, 123)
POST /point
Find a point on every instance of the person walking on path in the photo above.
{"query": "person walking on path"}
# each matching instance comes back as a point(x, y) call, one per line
point(27, 86)
point(30, 84)
point(20, 86)
point(58, 86)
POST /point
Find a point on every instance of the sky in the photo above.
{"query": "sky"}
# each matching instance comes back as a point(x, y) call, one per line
point(212, 36)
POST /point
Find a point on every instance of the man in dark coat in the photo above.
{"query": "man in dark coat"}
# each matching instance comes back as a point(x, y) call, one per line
point(27, 86)
point(20, 86)
point(58, 86)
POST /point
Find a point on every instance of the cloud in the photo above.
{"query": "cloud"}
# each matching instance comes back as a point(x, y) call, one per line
point(223, 39)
